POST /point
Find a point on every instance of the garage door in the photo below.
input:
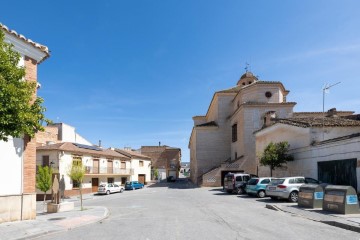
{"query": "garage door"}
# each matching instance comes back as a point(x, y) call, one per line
point(172, 173)
point(339, 172)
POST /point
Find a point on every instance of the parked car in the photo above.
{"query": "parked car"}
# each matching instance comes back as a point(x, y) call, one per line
point(107, 188)
point(171, 179)
point(236, 182)
point(132, 185)
point(257, 186)
point(288, 187)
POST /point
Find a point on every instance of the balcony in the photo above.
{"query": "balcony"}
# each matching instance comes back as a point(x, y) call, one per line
point(108, 171)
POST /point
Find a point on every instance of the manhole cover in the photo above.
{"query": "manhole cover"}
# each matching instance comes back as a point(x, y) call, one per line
point(58, 218)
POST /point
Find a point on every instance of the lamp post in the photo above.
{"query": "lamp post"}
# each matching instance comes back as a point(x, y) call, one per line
point(325, 88)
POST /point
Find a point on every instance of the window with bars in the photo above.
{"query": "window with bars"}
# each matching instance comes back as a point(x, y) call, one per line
point(234, 132)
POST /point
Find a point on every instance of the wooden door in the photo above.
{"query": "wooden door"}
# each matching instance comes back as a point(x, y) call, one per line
point(141, 178)
point(94, 184)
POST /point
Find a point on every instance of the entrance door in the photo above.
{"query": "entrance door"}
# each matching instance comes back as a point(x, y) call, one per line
point(94, 184)
point(141, 178)
point(338, 172)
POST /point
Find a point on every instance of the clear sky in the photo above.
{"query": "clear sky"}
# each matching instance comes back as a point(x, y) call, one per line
point(133, 73)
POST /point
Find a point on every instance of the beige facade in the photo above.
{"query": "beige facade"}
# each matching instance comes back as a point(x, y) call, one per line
point(314, 141)
point(141, 165)
point(101, 165)
point(223, 140)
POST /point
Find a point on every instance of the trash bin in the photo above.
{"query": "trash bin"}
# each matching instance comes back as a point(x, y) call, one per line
point(311, 196)
point(340, 199)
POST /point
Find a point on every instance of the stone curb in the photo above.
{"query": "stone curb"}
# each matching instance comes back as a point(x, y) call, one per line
point(338, 224)
point(51, 232)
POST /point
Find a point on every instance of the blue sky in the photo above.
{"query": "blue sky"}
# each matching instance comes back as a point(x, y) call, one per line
point(133, 73)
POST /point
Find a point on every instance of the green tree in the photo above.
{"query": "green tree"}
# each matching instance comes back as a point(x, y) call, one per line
point(275, 155)
point(76, 172)
point(44, 180)
point(20, 113)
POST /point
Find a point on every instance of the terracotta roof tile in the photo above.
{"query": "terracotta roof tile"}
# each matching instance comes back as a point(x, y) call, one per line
point(132, 154)
point(70, 147)
point(319, 122)
point(39, 46)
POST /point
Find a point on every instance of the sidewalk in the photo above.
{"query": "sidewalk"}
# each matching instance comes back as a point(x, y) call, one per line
point(350, 221)
point(47, 223)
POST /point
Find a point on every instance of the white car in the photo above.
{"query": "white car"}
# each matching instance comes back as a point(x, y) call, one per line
point(107, 188)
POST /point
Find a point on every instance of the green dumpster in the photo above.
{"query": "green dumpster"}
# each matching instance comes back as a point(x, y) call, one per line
point(340, 199)
point(311, 196)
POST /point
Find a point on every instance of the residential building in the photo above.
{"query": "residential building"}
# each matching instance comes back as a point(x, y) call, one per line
point(101, 165)
point(141, 165)
point(163, 158)
point(325, 148)
point(59, 132)
point(18, 199)
point(222, 141)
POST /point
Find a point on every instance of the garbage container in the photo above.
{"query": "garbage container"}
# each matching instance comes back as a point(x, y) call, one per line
point(340, 199)
point(311, 196)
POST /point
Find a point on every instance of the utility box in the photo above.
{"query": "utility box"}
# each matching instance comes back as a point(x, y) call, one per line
point(311, 196)
point(341, 199)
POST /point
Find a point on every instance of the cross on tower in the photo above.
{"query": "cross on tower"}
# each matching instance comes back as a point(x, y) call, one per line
point(246, 67)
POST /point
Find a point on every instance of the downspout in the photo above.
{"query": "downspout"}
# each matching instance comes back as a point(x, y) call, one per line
point(22, 178)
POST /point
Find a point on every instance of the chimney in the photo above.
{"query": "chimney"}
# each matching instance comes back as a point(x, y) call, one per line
point(332, 113)
point(268, 117)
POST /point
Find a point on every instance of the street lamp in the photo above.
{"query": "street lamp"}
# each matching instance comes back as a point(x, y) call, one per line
point(325, 89)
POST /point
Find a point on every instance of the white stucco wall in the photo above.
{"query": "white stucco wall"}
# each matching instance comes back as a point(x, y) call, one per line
point(11, 158)
point(146, 169)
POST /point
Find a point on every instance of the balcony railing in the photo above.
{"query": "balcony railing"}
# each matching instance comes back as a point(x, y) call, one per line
point(108, 170)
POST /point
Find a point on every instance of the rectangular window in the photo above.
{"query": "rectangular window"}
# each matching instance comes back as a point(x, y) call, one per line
point(76, 161)
point(45, 161)
point(123, 165)
point(234, 132)
point(110, 180)
point(141, 163)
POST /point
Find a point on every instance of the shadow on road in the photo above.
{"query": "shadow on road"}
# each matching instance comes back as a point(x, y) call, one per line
point(182, 183)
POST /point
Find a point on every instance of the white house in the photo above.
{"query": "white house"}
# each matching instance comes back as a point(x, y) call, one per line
point(140, 164)
point(325, 148)
point(102, 165)
point(17, 155)
point(60, 132)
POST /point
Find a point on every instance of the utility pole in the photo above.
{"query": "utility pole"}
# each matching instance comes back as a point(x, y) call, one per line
point(325, 88)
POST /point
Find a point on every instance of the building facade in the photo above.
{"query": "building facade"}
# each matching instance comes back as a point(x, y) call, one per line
point(18, 199)
point(101, 165)
point(140, 163)
point(222, 141)
point(324, 148)
point(166, 160)
point(59, 132)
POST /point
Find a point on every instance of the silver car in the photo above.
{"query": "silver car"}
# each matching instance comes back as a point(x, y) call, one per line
point(286, 188)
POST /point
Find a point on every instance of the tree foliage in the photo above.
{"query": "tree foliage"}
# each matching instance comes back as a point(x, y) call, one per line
point(76, 172)
point(275, 155)
point(44, 180)
point(20, 113)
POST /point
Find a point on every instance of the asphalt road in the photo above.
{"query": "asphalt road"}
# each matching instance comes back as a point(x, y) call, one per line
point(180, 211)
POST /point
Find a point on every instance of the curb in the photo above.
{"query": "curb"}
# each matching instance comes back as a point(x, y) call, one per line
point(51, 232)
point(331, 223)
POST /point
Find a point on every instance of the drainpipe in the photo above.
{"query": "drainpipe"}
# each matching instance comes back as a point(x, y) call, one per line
point(22, 178)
